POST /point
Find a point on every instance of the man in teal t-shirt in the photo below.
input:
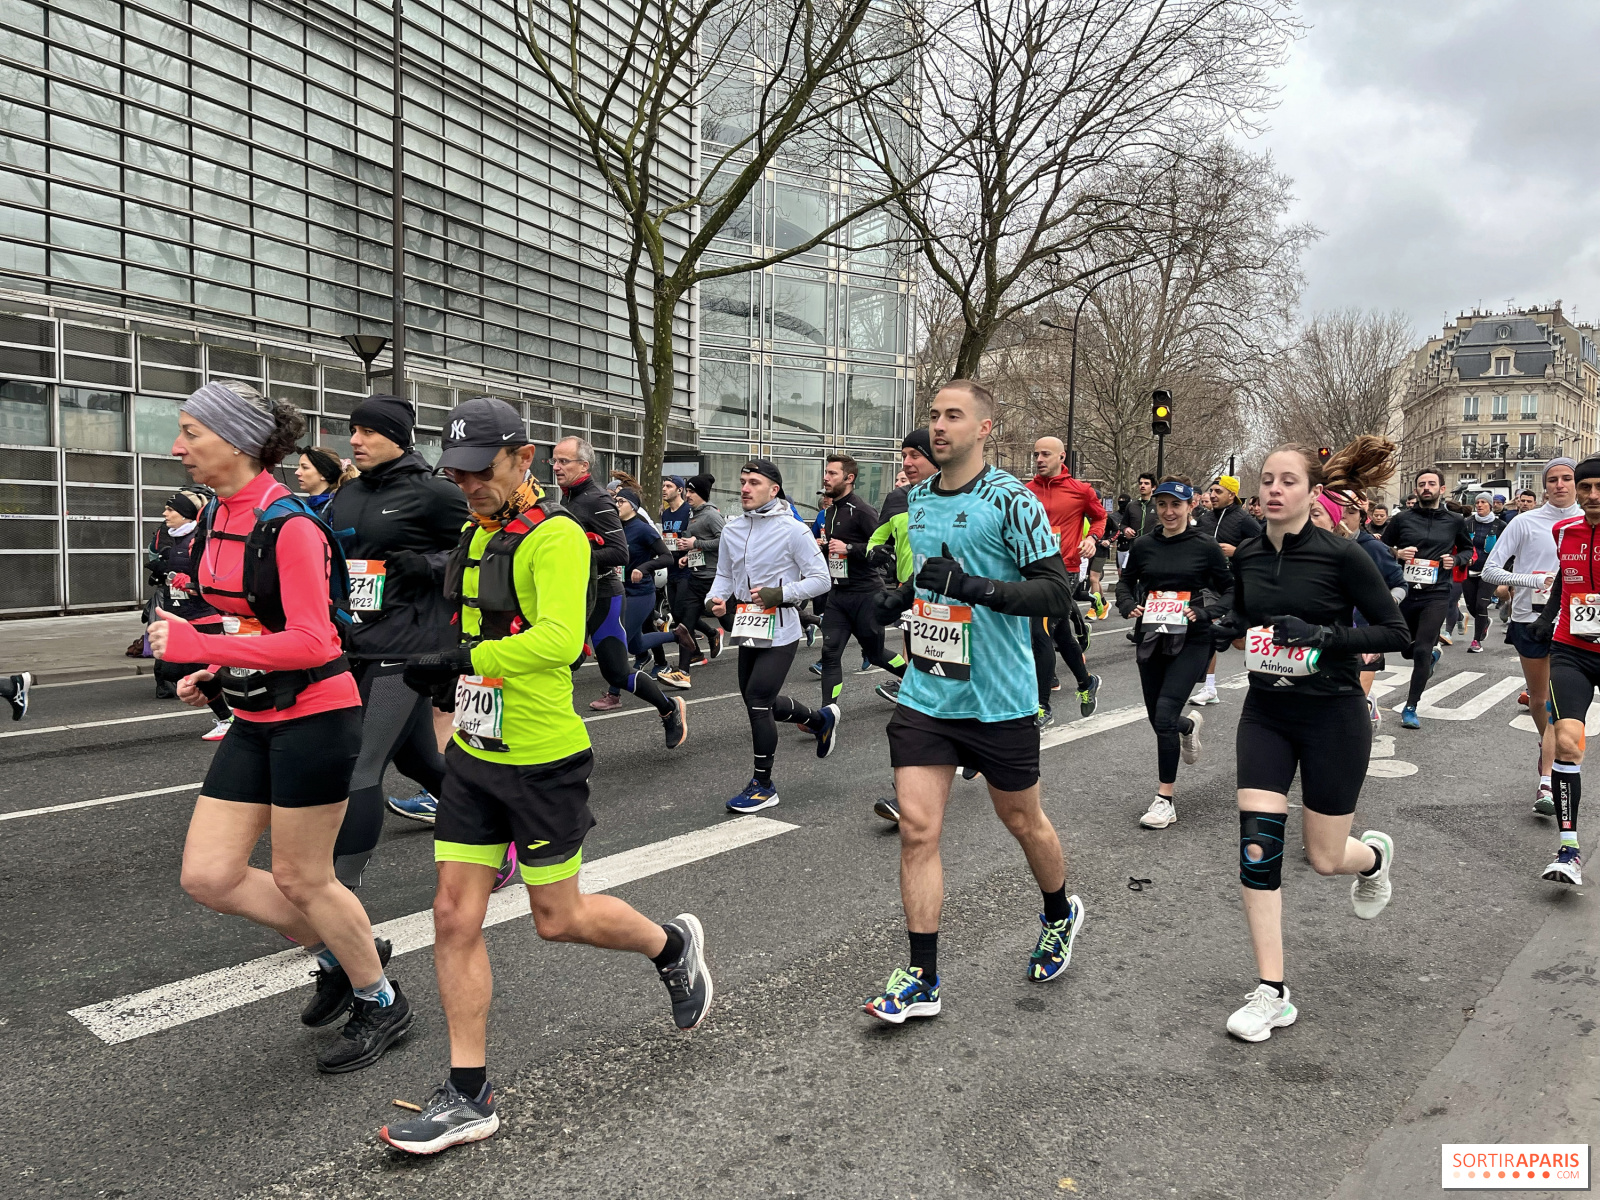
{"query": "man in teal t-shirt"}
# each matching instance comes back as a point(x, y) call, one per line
point(985, 564)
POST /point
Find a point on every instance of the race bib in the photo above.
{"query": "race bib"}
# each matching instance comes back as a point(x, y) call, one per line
point(941, 639)
point(753, 625)
point(1583, 615)
point(1260, 654)
point(1420, 571)
point(480, 711)
point(1165, 610)
point(173, 590)
point(838, 567)
point(695, 558)
point(366, 584)
point(241, 626)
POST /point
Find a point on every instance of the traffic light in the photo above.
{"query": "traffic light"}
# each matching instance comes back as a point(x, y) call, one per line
point(1324, 453)
point(1161, 412)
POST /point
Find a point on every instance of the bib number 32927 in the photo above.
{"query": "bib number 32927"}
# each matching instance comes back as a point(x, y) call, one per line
point(941, 639)
point(1583, 615)
point(480, 711)
point(754, 625)
point(1261, 655)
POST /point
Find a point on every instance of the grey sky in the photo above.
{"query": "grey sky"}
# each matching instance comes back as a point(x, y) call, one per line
point(1447, 151)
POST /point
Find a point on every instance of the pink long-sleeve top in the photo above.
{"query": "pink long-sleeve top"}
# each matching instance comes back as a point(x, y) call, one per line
point(308, 639)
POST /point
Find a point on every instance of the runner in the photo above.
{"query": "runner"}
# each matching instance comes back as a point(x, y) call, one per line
point(1230, 525)
point(1137, 518)
point(170, 563)
point(769, 565)
point(647, 554)
point(15, 689)
point(1530, 541)
point(1570, 623)
point(1427, 538)
point(321, 473)
point(286, 763)
point(1294, 590)
point(692, 529)
point(1175, 585)
point(396, 523)
point(971, 700)
point(1103, 541)
point(1069, 505)
point(1351, 524)
point(518, 765)
point(848, 524)
point(594, 509)
point(1485, 527)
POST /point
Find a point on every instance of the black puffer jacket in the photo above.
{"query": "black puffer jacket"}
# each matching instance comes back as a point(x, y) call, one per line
point(596, 511)
point(401, 505)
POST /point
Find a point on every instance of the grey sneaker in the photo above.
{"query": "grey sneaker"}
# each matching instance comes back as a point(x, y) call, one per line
point(889, 690)
point(1369, 894)
point(688, 982)
point(1189, 743)
point(448, 1119)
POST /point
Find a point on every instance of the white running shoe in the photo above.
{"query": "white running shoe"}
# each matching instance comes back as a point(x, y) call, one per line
point(1263, 1012)
point(1369, 894)
point(1544, 800)
point(1446, 638)
point(1375, 713)
point(1160, 814)
point(1189, 743)
point(218, 731)
point(1205, 696)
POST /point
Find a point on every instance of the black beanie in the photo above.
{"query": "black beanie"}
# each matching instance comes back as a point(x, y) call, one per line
point(921, 441)
point(388, 415)
point(701, 485)
point(183, 504)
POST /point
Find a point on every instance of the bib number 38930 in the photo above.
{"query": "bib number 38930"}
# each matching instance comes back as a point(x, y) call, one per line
point(941, 639)
point(1261, 655)
point(1583, 615)
point(480, 711)
point(1164, 611)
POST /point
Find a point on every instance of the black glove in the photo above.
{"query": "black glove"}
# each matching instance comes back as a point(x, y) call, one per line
point(426, 672)
point(770, 597)
point(1292, 631)
point(887, 606)
point(209, 688)
point(407, 573)
point(1227, 631)
point(1542, 630)
point(880, 558)
point(944, 576)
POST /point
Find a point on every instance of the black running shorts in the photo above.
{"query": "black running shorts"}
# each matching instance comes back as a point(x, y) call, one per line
point(1006, 753)
point(1519, 639)
point(1574, 674)
point(1329, 738)
point(299, 763)
point(544, 808)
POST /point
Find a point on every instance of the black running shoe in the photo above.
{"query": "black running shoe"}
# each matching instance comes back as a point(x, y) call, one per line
point(888, 808)
point(371, 1029)
point(19, 694)
point(688, 982)
point(333, 996)
point(676, 724)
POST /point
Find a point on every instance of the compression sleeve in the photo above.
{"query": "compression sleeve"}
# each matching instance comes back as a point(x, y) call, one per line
point(552, 566)
point(1043, 591)
point(608, 525)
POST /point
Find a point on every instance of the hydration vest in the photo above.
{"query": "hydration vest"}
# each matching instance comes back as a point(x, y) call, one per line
point(500, 612)
point(256, 691)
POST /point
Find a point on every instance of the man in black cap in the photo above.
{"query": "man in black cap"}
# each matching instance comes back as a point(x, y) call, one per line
point(397, 523)
point(847, 526)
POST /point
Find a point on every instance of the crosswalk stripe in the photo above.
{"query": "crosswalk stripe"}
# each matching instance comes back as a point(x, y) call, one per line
point(174, 1004)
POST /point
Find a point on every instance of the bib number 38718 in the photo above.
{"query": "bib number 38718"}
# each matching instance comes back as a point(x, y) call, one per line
point(941, 639)
point(1583, 615)
point(480, 711)
point(1261, 655)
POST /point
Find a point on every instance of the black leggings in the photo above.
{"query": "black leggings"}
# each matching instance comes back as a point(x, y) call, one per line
point(609, 640)
point(761, 675)
point(686, 596)
point(1424, 613)
point(1478, 594)
point(852, 613)
point(396, 726)
point(1166, 683)
point(1051, 634)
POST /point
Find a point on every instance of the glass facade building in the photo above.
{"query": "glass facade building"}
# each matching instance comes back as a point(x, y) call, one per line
point(198, 189)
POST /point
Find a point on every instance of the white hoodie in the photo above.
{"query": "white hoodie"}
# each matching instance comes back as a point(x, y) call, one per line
point(1528, 537)
point(767, 547)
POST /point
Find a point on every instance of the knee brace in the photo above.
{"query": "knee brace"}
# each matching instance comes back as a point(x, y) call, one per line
point(1264, 831)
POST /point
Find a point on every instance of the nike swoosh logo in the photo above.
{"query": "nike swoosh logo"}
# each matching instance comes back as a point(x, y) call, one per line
point(506, 437)
point(388, 511)
point(401, 663)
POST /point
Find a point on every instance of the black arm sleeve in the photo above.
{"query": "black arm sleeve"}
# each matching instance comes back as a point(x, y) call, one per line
point(1391, 532)
point(1044, 590)
point(605, 522)
point(1385, 630)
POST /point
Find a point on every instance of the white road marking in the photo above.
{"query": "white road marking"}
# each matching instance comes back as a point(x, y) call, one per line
point(166, 716)
point(55, 808)
point(1391, 768)
point(1472, 709)
point(101, 679)
point(174, 1004)
point(669, 692)
point(1591, 722)
point(1059, 735)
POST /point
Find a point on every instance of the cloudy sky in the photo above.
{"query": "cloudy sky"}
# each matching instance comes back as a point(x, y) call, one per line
point(1448, 152)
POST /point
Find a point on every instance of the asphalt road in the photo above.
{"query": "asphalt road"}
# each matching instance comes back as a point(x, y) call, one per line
point(1116, 1081)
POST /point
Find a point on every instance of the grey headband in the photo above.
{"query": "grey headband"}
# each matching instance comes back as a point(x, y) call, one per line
point(1554, 463)
point(231, 417)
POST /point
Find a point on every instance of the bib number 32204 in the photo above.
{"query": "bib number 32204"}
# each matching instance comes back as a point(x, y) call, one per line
point(941, 639)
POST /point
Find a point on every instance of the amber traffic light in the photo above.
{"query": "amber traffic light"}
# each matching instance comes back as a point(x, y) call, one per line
point(1161, 412)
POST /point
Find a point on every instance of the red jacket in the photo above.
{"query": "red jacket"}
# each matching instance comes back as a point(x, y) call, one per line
point(1067, 501)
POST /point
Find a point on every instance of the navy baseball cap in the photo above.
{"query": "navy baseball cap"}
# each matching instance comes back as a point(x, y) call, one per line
point(1173, 488)
point(476, 432)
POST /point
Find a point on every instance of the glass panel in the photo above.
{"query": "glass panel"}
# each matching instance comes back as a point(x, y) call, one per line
point(799, 311)
point(798, 215)
point(94, 420)
point(869, 406)
point(25, 414)
point(874, 320)
point(725, 306)
point(724, 393)
point(155, 424)
point(797, 400)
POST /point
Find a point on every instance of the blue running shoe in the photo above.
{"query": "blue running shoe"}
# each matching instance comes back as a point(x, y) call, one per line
point(424, 807)
point(824, 723)
point(1409, 718)
point(1053, 951)
point(1434, 661)
point(754, 798)
point(908, 995)
point(816, 669)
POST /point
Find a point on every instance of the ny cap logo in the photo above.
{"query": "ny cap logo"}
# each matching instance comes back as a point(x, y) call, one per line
point(458, 430)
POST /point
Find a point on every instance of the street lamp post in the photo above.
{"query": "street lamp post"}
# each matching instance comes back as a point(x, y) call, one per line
point(397, 207)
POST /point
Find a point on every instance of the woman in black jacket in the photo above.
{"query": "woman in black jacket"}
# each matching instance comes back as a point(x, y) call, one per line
point(169, 564)
point(1176, 583)
point(1295, 588)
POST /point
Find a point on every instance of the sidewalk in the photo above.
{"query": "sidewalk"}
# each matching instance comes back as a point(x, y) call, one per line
point(64, 649)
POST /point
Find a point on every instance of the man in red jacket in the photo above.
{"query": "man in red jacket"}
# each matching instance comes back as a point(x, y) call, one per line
point(1068, 503)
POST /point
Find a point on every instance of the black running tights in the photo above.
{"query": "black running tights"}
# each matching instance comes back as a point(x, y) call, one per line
point(761, 675)
point(1051, 634)
point(1167, 683)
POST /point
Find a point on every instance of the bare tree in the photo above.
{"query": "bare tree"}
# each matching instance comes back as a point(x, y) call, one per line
point(779, 81)
point(1042, 125)
point(1333, 382)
